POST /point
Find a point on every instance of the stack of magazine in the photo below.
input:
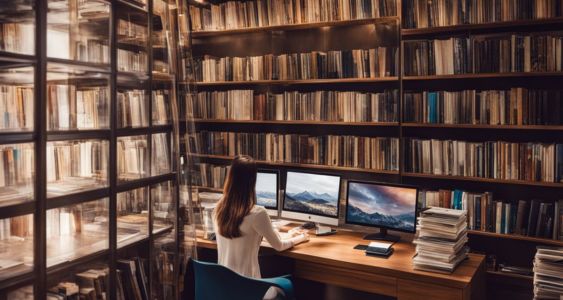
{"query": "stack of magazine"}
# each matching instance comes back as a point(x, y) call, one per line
point(441, 240)
point(548, 271)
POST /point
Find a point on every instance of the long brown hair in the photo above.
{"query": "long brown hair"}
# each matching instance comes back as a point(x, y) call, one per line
point(239, 196)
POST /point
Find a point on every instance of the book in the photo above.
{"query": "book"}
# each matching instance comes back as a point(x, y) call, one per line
point(437, 13)
point(377, 153)
point(161, 156)
point(515, 106)
point(16, 107)
point(548, 270)
point(132, 109)
point(16, 173)
point(358, 63)
point(527, 162)
point(332, 106)
point(262, 13)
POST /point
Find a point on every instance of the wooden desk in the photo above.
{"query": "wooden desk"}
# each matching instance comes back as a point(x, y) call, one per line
point(332, 260)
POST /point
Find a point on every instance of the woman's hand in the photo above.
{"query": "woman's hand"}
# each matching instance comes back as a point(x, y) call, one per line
point(301, 238)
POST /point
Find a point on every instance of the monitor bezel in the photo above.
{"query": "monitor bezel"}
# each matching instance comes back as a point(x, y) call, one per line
point(271, 171)
point(313, 214)
point(346, 221)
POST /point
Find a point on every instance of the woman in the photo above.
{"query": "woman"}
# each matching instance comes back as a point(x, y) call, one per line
point(240, 224)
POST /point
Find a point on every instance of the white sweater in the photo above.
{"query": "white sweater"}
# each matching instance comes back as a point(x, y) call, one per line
point(241, 254)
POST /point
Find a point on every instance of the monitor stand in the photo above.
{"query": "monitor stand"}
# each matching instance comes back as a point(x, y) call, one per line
point(319, 230)
point(309, 225)
point(382, 236)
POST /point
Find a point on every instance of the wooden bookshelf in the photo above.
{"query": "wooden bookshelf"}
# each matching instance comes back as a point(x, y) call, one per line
point(499, 76)
point(301, 82)
point(487, 180)
point(484, 126)
point(518, 237)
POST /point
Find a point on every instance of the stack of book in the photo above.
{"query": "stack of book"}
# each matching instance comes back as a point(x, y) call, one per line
point(358, 63)
point(331, 106)
point(92, 284)
point(441, 240)
point(260, 13)
point(548, 271)
point(16, 107)
point(129, 61)
point(517, 106)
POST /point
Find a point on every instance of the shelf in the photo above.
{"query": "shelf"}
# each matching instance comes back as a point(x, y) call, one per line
point(123, 186)
point(211, 189)
point(483, 76)
point(66, 135)
point(301, 82)
point(528, 278)
point(486, 126)
point(301, 165)
point(210, 33)
point(298, 122)
point(51, 271)
point(476, 28)
point(94, 67)
point(517, 237)
point(16, 58)
point(16, 137)
point(488, 180)
point(18, 209)
point(77, 197)
point(16, 280)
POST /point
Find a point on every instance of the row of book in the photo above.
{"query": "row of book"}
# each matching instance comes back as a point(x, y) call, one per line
point(128, 30)
point(517, 106)
point(132, 108)
point(542, 52)
point(160, 107)
point(358, 63)
point(16, 165)
point(132, 157)
point(130, 61)
point(64, 221)
point(424, 13)
point(161, 156)
point(69, 107)
point(17, 37)
point(331, 106)
point(262, 13)
point(535, 218)
point(377, 153)
point(16, 107)
point(19, 227)
point(209, 175)
point(132, 202)
point(492, 159)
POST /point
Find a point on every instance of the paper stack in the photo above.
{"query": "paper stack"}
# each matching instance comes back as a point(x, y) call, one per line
point(440, 241)
point(548, 273)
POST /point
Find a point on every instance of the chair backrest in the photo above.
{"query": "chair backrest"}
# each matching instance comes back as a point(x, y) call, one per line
point(212, 281)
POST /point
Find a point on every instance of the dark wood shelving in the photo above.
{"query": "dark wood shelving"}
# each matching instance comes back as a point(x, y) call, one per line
point(68, 135)
point(477, 28)
point(527, 278)
point(82, 65)
point(487, 180)
point(297, 122)
point(289, 27)
point(211, 189)
point(16, 57)
point(301, 165)
point(16, 137)
point(483, 76)
point(485, 126)
point(24, 208)
point(300, 82)
point(531, 239)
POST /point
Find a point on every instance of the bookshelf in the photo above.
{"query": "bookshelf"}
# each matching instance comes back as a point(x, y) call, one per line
point(234, 37)
point(89, 178)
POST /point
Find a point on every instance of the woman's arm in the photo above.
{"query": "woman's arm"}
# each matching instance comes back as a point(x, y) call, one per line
point(263, 226)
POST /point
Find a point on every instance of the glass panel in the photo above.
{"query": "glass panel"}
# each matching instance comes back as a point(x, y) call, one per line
point(163, 198)
point(161, 163)
point(132, 42)
point(78, 30)
point(17, 26)
point(132, 157)
point(16, 99)
point(23, 293)
point(162, 39)
point(132, 216)
point(163, 270)
point(76, 231)
point(76, 166)
point(16, 246)
point(132, 108)
point(16, 173)
point(85, 281)
point(161, 107)
point(77, 99)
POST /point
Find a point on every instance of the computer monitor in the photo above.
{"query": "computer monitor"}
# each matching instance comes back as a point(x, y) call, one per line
point(381, 205)
point(311, 197)
point(267, 190)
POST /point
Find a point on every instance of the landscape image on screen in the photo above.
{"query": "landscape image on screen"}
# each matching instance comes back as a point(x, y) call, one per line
point(379, 205)
point(267, 189)
point(312, 193)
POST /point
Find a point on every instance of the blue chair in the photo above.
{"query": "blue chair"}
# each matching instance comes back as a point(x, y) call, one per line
point(209, 281)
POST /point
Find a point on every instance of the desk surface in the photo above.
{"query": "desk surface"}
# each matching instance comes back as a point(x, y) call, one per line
point(337, 250)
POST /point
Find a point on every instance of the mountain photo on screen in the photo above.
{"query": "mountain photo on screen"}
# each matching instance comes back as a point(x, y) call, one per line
point(380, 205)
point(267, 189)
point(312, 193)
